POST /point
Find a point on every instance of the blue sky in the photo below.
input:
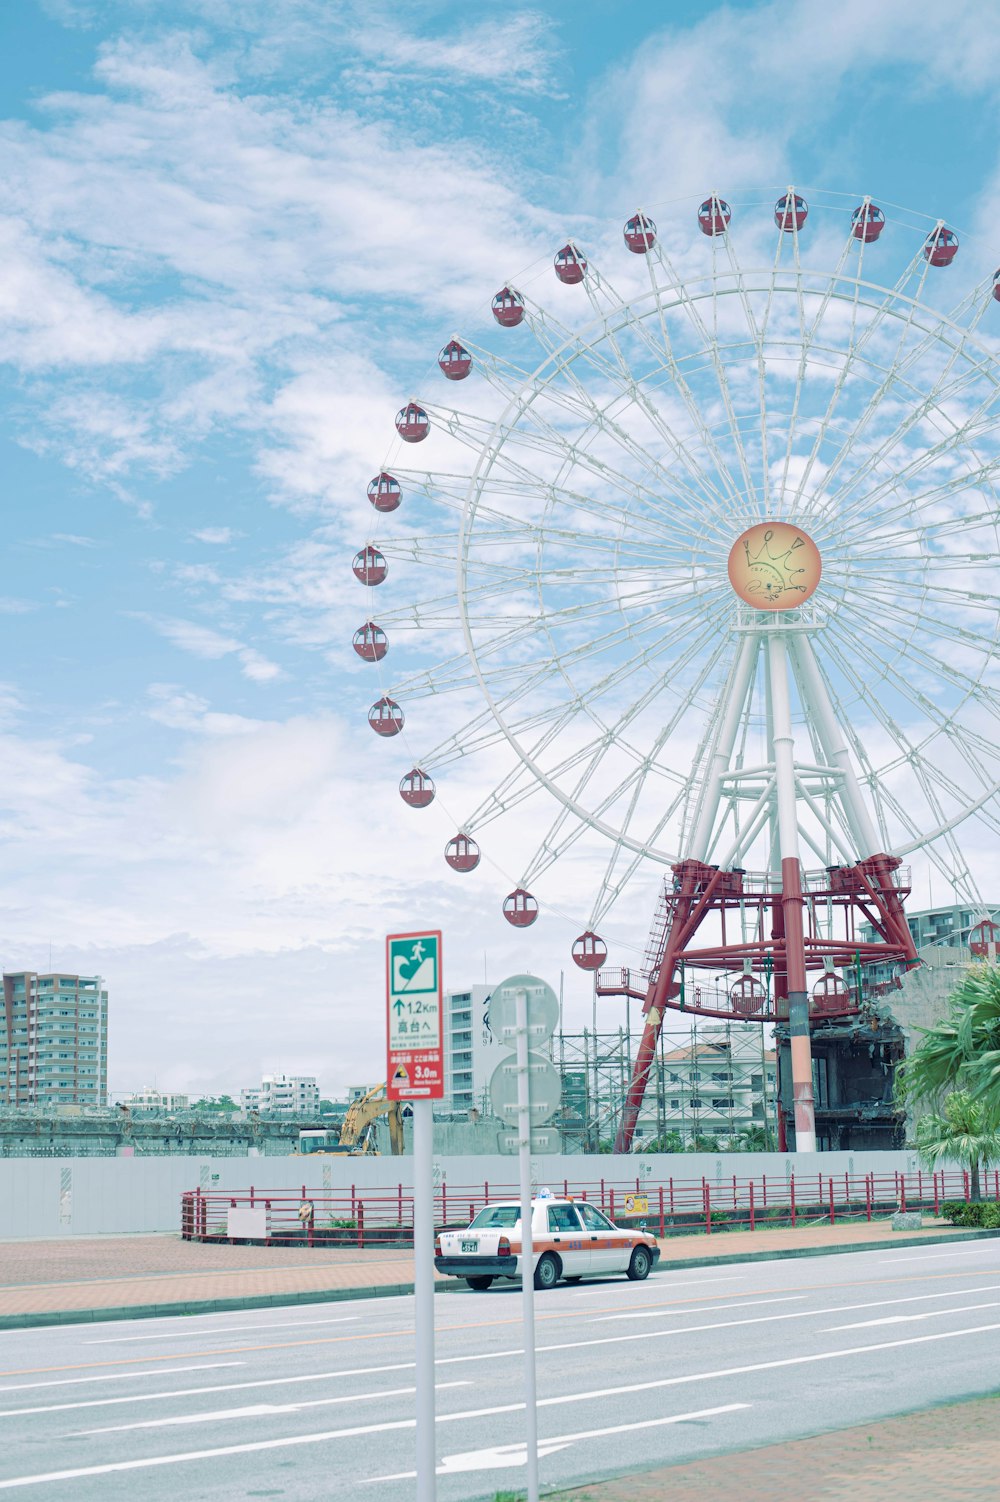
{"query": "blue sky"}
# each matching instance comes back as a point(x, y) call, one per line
point(234, 235)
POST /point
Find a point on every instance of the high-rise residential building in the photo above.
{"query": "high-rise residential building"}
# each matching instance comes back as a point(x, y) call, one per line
point(283, 1095)
point(941, 925)
point(54, 1040)
point(471, 1053)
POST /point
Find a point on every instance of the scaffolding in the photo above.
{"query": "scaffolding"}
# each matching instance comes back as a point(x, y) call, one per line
point(712, 1084)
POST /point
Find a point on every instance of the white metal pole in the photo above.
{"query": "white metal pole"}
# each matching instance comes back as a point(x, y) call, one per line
point(783, 752)
point(423, 1283)
point(722, 752)
point(817, 703)
point(527, 1249)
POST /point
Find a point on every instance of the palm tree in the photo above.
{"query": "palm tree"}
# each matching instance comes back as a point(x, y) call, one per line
point(966, 1131)
point(962, 1051)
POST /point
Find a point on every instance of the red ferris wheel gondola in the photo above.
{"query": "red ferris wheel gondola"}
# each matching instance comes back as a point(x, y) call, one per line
point(790, 212)
point(640, 234)
point(385, 717)
point(867, 222)
point(747, 996)
point(370, 566)
point(941, 246)
point(520, 908)
point(416, 788)
point(570, 264)
point(455, 361)
point(462, 853)
point(714, 216)
point(589, 951)
point(384, 492)
point(508, 308)
point(370, 642)
point(412, 423)
point(996, 285)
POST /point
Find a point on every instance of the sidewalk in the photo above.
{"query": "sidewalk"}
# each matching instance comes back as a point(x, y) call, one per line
point(135, 1277)
point(949, 1454)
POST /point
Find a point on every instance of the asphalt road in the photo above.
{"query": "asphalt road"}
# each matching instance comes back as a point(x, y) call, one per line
point(312, 1402)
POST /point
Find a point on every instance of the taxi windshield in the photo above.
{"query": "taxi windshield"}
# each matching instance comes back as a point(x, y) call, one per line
point(497, 1215)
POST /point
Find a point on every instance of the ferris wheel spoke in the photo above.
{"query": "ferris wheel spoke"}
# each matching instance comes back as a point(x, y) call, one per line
point(885, 800)
point(809, 334)
point(935, 631)
point(663, 350)
point(632, 786)
point(919, 405)
point(657, 487)
point(618, 375)
point(855, 353)
point(922, 658)
point(962, 743)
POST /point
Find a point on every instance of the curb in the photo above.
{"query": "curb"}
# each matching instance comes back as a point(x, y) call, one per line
point(825, 1251)
point(34, 1320)
point(40, 1319)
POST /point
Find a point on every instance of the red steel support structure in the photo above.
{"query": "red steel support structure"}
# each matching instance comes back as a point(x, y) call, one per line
point(768, 931)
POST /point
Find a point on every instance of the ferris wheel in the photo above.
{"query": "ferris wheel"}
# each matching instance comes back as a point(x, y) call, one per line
point(705, 566)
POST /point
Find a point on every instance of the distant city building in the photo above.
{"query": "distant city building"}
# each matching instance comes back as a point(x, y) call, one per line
point(151, 1099)
point(941, 925)
point(53, 1040)
point(283, 1095)
point(720, 1084)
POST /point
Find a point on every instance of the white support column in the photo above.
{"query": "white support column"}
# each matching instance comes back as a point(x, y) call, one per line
point(737, 689)
point(783, 753)
point(816, 699)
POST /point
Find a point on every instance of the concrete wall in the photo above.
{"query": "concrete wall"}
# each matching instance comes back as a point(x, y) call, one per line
point(100, 1196)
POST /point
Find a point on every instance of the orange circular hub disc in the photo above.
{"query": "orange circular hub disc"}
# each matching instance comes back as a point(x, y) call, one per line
point(774, 566)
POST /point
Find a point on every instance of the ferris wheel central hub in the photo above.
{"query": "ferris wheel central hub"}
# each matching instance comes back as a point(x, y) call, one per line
point(774, 566)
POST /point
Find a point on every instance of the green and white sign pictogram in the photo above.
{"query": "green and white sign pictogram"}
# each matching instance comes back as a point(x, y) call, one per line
point(414, 1016)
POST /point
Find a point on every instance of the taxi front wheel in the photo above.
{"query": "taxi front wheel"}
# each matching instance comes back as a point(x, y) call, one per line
point(641, 1262)
point(547, 1271)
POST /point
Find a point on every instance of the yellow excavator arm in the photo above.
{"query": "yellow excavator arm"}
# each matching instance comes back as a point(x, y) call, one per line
point(369, 1108)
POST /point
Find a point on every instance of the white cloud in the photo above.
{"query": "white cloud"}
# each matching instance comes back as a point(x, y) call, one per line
point(732, 101)
point(205, 642)
point(216, 536)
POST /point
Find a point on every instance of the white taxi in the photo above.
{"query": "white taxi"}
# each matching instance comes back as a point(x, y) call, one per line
point(571, 1239)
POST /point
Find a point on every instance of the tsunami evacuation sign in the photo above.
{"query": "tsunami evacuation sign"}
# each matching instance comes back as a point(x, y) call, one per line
point(414, 1017)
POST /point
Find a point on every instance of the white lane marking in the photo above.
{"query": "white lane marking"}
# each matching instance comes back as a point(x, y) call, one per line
point(516, 1454)
point(406, 1366)
point(902, 1319)
point(188, 1334)
point(963, 1251)
point(658, 1312)
point(674, 1283)
point(259, 1410)
point(191, 1392)
point(160, 1371)
point(288, 1441)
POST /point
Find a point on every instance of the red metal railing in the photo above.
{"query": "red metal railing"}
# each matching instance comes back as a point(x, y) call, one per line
point(673, 1206)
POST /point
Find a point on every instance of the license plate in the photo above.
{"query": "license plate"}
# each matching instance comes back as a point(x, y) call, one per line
point(470, 1246)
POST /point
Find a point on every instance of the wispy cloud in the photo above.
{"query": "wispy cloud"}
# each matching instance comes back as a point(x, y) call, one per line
point(205, 642)
point(219, 536)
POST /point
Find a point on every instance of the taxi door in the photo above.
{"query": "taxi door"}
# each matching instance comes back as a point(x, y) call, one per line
point(566, 1235)
point(609, 1252)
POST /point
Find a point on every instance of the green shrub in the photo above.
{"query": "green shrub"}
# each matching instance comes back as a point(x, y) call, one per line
point(982, 1214)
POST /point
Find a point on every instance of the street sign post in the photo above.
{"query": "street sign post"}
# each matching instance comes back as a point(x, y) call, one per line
point(525, 1090)
point(415, 1072)
point(414, 1017)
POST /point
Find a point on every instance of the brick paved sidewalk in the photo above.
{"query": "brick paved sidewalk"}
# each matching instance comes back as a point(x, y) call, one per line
point(101, 1277)
point(949, 1454)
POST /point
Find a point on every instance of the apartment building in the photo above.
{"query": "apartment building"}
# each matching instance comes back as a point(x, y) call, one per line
point(283, 1095)
point(53, 1040)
